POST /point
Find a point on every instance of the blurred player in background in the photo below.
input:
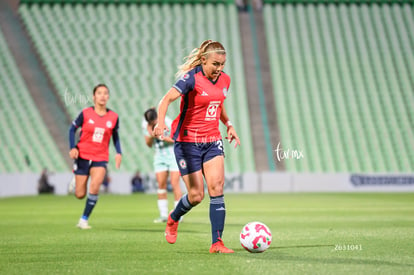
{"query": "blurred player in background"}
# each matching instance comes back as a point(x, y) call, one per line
point(202, 86)
point(164, 163)
point(91, 154)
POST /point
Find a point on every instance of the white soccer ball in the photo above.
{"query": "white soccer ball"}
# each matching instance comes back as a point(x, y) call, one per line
point(255, 237)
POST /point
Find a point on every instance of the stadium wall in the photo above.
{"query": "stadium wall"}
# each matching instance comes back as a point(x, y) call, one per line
point(266, 182)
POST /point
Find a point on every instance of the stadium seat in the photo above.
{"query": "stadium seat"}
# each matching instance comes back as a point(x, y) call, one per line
point(28, 146)
point(341, 76)
point(135, 49)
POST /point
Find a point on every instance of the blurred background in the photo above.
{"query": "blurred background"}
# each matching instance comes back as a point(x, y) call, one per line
point(322, 92)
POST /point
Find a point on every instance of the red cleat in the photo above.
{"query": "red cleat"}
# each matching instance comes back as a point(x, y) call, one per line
point(218, 247)
point(171, 230)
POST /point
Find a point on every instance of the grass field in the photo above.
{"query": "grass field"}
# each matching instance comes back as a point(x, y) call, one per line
point(312, 234)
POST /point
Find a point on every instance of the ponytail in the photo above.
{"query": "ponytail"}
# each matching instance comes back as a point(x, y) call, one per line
point(194, 58)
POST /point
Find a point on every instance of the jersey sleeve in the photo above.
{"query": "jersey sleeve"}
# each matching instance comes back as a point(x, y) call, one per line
point(75, 125)
point(186, 83)
point(116, 139)
point(78, 121)
point(116, 127)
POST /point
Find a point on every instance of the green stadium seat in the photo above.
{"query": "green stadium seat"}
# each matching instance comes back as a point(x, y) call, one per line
point(341, 84)
point(135, 50)
point(23, 137)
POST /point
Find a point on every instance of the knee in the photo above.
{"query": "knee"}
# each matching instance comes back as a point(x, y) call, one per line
point(80, 195)
point(216, 189)
point(195, 197)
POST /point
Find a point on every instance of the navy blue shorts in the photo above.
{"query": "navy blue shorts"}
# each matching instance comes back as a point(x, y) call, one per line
point(82, 166)
point(190, 156)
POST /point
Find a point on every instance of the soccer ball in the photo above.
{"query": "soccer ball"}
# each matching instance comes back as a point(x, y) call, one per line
point(255, 237)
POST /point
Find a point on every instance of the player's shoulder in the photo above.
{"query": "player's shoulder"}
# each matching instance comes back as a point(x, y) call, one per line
point(186, 81)
point(111, 112)
point(88, 109)
point(224, 76)
point(189, 74)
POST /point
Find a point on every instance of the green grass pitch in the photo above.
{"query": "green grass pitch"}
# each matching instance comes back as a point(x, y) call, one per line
point(368, 233)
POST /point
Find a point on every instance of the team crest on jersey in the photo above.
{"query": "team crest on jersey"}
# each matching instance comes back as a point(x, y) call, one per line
point(225, 91)
point(109, 124)
point(183, 163)
point(211, 113)
point(185, 77)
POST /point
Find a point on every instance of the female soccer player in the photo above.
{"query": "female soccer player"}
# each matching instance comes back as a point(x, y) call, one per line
point(202, 86)
point(91, 153)
point(164, 163)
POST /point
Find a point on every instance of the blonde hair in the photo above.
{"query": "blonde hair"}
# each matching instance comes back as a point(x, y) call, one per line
point(194, 58)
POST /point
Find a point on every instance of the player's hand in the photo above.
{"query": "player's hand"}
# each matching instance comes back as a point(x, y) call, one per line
point(232, 135)
point(118, 160)
point(159, 130)
point(74, 153)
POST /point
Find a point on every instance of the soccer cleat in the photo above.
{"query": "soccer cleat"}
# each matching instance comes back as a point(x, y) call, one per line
point(83, 224)
point(171, 230)
point(218, 247)
point(161, 220)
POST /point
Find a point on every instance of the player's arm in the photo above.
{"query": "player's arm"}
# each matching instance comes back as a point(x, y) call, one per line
point(231, 132)
point(117, 143)
point(172, 95)
point(149, 140)
point(168, 139)
point(74, 152)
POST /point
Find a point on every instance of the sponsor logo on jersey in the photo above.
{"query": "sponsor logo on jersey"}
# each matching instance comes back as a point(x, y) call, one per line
point(98, 134)
point(211, 113)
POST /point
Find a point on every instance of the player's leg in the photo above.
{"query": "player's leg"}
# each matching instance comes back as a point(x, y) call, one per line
point(175, 183)
point(195, 188)
point(162, 177)
point(81, 171)
point(189, 161)
point(190, 165)
point(213, 169)
point(195, 194)
point(81, 182)
point(97, 174)
point(174, 178)
point(214, 175)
